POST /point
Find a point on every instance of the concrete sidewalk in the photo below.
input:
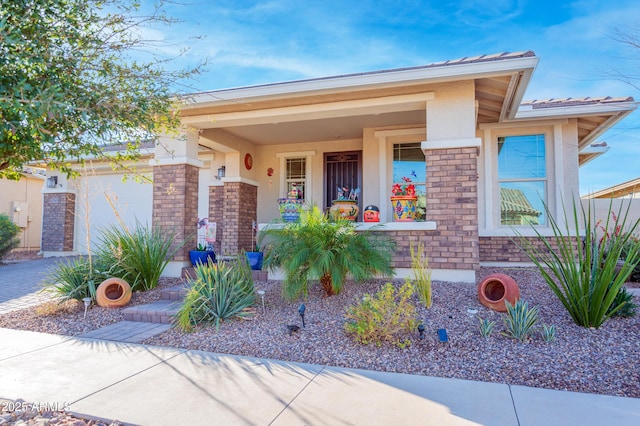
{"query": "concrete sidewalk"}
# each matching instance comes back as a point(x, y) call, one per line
point(146, 385)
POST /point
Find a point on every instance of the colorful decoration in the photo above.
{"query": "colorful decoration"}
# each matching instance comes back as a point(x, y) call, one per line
point(371, 214)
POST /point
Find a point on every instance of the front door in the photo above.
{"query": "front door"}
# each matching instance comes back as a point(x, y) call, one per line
point(342, 170)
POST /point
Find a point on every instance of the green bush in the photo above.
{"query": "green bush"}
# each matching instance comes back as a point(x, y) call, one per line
point(583, 275)
point(519, 320)
point(316, 248)
point(624, 300)
point(76, 278)
point(382, 317)
point(219, 292)
point(138, 256)
point(8, 235)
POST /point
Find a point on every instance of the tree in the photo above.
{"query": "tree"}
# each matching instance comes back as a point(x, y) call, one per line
point(72, 81)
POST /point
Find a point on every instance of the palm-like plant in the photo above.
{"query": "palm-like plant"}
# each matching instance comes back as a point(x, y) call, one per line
point(316, 248)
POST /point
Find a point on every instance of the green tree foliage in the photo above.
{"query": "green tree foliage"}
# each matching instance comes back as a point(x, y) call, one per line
point(70, 81)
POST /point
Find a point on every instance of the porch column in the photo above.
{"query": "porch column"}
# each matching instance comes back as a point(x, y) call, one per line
point(175, 193)
point(452, 202)
point(239, 209)
point(58, 218)
point(451, 155)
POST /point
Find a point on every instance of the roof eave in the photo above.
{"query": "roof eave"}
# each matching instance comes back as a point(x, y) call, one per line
point(524, 66)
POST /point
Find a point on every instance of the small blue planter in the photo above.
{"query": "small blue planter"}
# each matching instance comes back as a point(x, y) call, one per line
point(255, 259)
point(201, 257)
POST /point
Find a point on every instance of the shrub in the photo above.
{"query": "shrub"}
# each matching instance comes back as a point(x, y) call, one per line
point(486, 327)
point(382, 317)
point(421, 274)
point(583, 276)
point(76, 278)
point(219, 292)
point(519, 320)
point(139, 256)
point(624, 300)
point(548, 333)
point(8, 235)
point(316, 248)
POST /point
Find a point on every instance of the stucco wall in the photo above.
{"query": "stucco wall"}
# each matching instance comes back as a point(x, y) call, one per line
point(27, 195)
point(269, 189)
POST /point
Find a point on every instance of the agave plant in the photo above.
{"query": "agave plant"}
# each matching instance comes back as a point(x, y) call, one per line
point(317, 248)
point(583, 275)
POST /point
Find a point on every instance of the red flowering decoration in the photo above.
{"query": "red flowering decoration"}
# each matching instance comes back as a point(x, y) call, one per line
point(406, 188)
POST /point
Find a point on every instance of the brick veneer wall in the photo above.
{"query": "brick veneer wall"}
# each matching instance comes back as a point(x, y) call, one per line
point(59, 210)
point(175, 204)
point(216, 213)
point(504, 249)
point(452, 202)
point(240, 202)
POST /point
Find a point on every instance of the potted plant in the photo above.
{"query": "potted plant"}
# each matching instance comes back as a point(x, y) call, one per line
point(255, 257)
point(203, 253)
point(404, 201)
point(346, 205)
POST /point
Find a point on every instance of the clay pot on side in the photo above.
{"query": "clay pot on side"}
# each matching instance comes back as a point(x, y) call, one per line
point(495, 289)
point(113, 293)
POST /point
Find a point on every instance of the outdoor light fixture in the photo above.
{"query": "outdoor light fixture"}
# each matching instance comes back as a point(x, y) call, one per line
point(87, 302)
point(301, 310)
point(221, 172)
point(421, 331)
point(52, 181)
point(261, 293)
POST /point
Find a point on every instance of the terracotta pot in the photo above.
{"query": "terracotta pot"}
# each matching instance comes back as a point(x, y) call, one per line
point(495, 289)
point(344, 209)
point(113, 293)
point(404, 207)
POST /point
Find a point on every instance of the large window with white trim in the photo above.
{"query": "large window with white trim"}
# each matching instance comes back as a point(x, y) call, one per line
point(522, 179)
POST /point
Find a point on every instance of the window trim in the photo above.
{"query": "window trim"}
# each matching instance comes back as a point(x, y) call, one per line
point(307, 155)
point(548, 180)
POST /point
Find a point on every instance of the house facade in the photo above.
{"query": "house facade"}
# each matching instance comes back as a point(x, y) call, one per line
point(482, 161)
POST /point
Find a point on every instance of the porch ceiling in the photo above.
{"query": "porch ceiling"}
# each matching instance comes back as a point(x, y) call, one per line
point(334, 128)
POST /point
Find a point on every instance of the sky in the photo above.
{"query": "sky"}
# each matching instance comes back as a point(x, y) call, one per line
point(254, 42)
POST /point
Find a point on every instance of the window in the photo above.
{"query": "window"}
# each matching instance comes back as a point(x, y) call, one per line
point(296, 176)
point(522, 179)
point(409, 162)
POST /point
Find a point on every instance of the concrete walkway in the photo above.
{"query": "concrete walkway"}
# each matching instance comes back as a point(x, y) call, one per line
point(147, 385)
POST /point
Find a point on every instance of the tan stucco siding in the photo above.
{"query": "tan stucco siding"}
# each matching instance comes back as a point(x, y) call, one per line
point(24, 195)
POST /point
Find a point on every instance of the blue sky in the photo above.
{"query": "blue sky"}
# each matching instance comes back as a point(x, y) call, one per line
point(254, 42)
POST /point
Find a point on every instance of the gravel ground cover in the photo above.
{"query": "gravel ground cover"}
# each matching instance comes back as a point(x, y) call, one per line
point(603, 361)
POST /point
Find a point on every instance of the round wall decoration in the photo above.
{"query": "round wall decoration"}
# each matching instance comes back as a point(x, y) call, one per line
point(248, 161)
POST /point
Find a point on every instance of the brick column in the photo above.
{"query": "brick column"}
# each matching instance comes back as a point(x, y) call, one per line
point(216, 213)
point(240, 201)
point(58, 216)
point(452, 202)
point(175, 204)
